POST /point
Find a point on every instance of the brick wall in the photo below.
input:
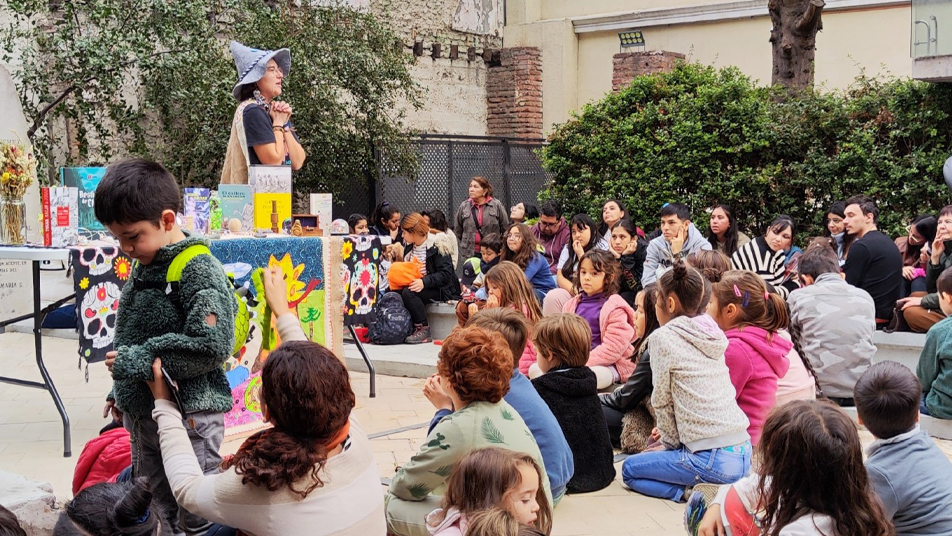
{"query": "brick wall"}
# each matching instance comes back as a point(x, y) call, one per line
point(627, 65)
point(514, 93)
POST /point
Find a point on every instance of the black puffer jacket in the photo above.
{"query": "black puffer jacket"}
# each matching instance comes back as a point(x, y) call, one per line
point(637, 388)
point(440, 272)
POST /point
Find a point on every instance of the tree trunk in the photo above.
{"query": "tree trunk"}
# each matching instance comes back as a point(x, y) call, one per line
point(795, 24)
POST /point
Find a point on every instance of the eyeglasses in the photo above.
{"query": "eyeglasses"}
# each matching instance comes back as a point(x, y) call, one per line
point(547, 224)
point(513, 237)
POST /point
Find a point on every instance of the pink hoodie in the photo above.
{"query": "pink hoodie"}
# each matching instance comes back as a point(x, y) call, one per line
point(453, 523)
point(755, 365)
point(616, 321)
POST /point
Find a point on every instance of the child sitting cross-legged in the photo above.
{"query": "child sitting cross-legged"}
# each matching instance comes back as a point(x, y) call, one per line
point(568, 387)
point(811, 482)
point(702, 431)
point(756, 357)
point(911, 475)
point(935, 360)
point(487, 479)
point(112, 509)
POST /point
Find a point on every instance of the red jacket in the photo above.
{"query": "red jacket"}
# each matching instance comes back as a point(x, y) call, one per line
point(102, 459)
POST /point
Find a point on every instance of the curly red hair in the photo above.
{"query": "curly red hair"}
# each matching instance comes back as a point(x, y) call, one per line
point(478, 364)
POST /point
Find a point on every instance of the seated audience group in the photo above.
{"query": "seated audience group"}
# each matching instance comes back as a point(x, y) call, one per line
point(702, 358)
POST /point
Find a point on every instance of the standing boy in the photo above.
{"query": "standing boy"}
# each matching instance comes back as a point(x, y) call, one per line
point(679, 238)
point(832, 324)
point(874, 263)
point(177, 305)
point(911, 476)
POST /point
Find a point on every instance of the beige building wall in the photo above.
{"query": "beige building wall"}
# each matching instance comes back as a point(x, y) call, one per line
point(857, 35)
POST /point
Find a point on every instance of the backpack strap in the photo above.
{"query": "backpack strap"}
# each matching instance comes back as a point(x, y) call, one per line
point(173, 276)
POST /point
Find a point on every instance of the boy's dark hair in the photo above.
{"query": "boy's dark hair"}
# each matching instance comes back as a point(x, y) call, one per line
point(676, 209)
point(113, 509)
point(866, 204)
point(551, 208)
point(509, 323)
point(887, 399)
point(9, 525)
point(944, 283)
point(136, 190)
point(819, 259)
point(491, 242)
point(437, 219)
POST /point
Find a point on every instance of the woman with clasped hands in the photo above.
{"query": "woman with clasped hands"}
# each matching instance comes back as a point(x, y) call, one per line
point(261, 131)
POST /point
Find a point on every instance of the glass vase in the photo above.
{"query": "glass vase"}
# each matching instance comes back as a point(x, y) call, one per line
point(12, 220)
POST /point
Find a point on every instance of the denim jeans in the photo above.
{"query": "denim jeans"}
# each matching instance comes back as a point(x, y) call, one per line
point(665, 473)
point(922, 406)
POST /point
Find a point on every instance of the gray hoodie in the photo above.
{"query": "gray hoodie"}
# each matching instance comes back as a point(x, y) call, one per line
point(693, 397)
point(659, 257)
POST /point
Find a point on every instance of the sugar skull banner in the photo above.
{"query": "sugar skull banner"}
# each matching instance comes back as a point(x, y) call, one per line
point(361, 255)
point(98, 276)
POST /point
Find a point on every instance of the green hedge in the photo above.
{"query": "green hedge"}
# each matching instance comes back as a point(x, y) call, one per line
point(702, 136)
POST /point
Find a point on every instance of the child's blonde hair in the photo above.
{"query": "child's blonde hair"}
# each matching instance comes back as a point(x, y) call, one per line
point(514, 289)
point(564, 336)
point(498, 522)
point(483, 477)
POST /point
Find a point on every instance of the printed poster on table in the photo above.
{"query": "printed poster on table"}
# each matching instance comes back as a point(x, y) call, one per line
point(99, 274)
point(361, 256)
point(85, 180)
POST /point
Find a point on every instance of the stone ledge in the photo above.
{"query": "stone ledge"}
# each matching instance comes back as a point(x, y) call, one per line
point(32, 502)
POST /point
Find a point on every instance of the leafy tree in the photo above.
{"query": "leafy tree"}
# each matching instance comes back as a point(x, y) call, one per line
point(153, 78)
point(702, 136)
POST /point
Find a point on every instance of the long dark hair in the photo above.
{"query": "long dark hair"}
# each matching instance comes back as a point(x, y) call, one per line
point(125, 509)
point(925, 225)
point(527, 250)
point(602, 226)
point(651, 319)
point(382, 213)
point(838, 208)
point(579, 220)
point(811, 460)
point(730, 236)
point(780, 224)
point(307, 393)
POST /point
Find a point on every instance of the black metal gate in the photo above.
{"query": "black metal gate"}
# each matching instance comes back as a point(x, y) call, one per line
point(447, 163)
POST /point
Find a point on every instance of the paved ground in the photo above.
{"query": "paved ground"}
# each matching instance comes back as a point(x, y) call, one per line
point(31, 435)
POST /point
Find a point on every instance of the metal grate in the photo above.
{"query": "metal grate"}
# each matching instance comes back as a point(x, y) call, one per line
point(447, 163)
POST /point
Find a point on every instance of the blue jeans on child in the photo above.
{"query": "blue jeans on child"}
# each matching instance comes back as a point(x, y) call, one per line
point(665, 473)
point(922, 406)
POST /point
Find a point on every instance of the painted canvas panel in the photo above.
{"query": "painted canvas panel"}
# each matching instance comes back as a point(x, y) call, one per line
point(99, 274)
point(361, 255)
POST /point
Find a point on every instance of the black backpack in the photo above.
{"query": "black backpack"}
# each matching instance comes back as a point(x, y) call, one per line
point(391, 322)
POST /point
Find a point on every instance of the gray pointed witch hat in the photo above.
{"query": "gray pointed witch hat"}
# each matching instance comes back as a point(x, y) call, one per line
point(252, 64)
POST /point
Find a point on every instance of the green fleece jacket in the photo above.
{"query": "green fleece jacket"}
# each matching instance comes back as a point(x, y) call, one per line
point(149, 325)
point(933, 271)
point(935, 369)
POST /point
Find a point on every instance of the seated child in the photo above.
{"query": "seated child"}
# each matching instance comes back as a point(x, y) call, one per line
point(629, 249)
point(490, 253)
point(756, 357)
point(911, 475)
point(475, 366)
point(811, 483)
point(499, 522)
point(702, 430)
point(568, 387)
point(610, 318)
point(357, 224)
point(107, 509)
point(556, 452)
point(832, 324)
point(103, 457)
point(490, 478)
point(935, 360)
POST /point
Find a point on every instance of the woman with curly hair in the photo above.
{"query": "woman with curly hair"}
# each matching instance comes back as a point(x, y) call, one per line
point(312, 473)
point(474, 368)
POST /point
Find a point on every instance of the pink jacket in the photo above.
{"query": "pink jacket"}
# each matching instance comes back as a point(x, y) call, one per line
point(528, 358)
point(755, 364)
point(453, 523)
point(616, 321)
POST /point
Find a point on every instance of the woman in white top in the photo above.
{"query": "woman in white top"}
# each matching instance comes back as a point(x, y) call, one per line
point(313, 473)
point(812, 480)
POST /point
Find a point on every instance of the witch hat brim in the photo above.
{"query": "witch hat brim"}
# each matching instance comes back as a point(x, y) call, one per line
point(252, 64)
